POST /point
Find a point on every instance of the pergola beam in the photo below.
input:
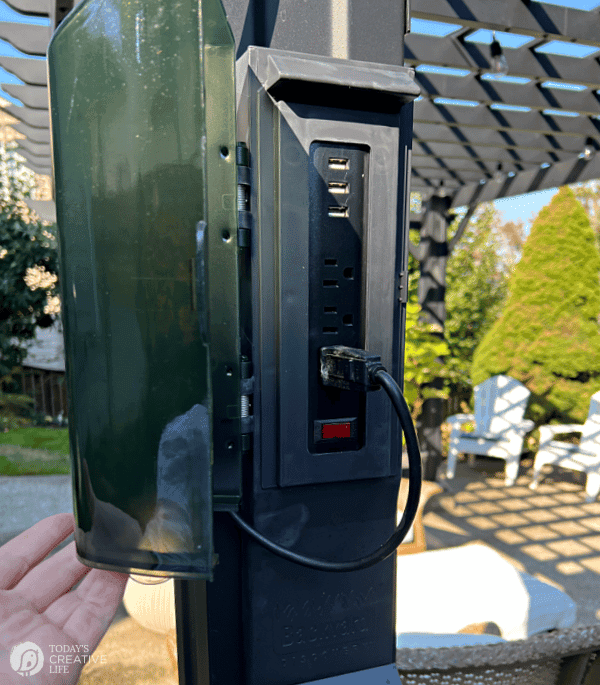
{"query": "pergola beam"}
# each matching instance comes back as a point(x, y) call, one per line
point(35, 135)
point(487, 92)
point(37, 149)
point(31, 71)
point(39, 8)
point(30, 39)
point(491, 157)
point(34, 97)
point(539, 148)
point(469, 138)
point(575, 170)
point(39, 118)
point(463, 166)
point(523, 62)
point(517, 16)
point(495, 120)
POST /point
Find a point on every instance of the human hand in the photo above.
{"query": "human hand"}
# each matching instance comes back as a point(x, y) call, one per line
point(38, 606)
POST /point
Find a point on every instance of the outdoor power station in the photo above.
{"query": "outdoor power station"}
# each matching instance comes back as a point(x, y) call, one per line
point(233, 250)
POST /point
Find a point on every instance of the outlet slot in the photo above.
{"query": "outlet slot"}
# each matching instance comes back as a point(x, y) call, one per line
point(336, 237)
point(339, 163)
point(338, 212)
point(338, 187)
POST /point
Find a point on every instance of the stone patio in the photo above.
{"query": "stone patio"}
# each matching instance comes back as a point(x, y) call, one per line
point(551, 533)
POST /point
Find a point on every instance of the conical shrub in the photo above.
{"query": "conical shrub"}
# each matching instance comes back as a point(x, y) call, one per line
point(548, 336)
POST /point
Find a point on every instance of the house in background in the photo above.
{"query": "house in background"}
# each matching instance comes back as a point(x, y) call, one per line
point(43, 376)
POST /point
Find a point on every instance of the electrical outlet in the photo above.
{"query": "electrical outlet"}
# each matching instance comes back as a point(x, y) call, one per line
point(338, 190)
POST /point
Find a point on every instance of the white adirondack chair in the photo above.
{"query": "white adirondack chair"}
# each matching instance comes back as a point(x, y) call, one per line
point(500, 428)
point(584, 457)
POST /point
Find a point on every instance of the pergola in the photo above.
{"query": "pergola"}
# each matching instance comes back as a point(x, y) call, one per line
point(477, 136)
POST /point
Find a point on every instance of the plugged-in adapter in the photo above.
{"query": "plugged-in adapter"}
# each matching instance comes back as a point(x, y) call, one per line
point(349, 368)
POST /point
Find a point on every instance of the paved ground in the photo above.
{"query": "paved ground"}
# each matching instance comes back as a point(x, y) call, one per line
point(25, 500)
point(550, 533)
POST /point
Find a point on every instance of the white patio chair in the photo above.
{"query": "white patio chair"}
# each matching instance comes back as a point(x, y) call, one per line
point(584, 457)
point(500, 428)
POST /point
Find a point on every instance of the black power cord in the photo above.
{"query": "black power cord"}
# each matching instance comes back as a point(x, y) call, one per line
point(350, 368)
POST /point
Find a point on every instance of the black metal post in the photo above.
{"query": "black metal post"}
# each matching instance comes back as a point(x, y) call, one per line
point(432, 296)
point(192, 635)
point(262, 620)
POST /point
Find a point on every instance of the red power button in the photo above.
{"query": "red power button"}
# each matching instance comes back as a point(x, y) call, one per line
point(330, 431)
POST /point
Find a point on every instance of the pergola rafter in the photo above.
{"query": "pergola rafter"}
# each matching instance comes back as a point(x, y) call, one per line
point(456, 148)
point(545, 113)
point(516, 16)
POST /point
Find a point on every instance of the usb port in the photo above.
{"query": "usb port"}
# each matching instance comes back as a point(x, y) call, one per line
point(338, 188)
point(338, 212)
point(338, 163)
point(330, 283)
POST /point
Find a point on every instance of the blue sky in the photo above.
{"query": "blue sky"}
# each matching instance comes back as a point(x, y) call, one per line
point(524, 207)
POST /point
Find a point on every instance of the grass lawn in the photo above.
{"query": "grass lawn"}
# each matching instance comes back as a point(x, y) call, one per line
point(35, 451)
point(38, 438)
point(42, 467)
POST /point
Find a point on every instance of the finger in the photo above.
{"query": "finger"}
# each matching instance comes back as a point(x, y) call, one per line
point(18, 555)
point(86, 613)
point(52, 578)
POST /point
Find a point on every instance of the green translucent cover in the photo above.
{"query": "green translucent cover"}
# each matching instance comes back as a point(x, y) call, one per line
point(144, 163)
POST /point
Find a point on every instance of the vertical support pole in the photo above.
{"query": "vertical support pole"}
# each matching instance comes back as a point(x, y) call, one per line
point(192, 632)
point(43, 389)
point(432, 296)
point(51, 383)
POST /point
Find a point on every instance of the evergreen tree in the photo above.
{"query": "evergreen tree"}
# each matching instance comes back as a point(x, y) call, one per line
point(548, 335)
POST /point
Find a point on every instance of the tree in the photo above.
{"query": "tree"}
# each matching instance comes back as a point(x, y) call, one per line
point(548, 334)
point(476, 281)
point(28, 264)
point(476, 277)
point(589, 196)
point(422, 365)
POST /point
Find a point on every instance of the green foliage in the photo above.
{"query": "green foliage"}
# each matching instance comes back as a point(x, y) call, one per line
point(28, 264)
point(35, 467)
point(476, 280)
point(31, 437)
point(15, 408)
point(589, 195)
point(475, 292)
point(422, 366)
point(548, 334)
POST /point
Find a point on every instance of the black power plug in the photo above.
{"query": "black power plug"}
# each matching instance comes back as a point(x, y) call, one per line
point(349, 368)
